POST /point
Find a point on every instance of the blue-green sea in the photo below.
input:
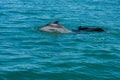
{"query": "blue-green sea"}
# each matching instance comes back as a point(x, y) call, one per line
point(29, 54)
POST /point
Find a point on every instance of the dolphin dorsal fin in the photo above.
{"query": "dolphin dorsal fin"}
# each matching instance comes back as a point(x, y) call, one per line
point(56, 22)
point(79, 28)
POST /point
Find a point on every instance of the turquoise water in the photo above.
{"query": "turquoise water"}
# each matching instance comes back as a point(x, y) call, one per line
point(29, 54)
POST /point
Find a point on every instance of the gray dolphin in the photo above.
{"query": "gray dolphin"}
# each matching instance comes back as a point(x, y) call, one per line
point(55, 27)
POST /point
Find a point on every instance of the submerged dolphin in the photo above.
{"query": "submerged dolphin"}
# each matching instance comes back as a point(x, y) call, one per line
point(55, 27)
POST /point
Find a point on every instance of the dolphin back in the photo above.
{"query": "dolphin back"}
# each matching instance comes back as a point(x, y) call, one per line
point(55, 27)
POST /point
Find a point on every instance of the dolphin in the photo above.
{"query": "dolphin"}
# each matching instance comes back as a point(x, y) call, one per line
point(87, 29)
point(55, 27)
point(90, 29)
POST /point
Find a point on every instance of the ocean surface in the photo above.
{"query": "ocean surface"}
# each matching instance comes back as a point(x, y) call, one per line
point(29, 54)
